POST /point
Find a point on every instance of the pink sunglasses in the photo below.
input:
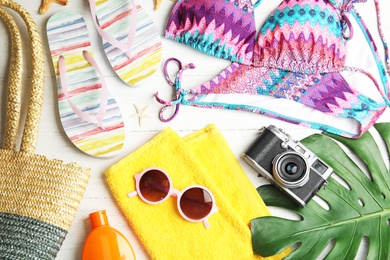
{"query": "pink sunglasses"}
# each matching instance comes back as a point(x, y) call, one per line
point(195, 203)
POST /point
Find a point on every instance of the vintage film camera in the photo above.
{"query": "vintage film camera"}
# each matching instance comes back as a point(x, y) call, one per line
point(287, 164)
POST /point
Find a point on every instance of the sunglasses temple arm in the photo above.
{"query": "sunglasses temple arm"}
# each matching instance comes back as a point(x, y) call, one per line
point(206, 223)
point(132, 194)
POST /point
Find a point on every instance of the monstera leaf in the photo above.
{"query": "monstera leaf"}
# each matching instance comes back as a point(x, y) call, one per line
point(355, 211)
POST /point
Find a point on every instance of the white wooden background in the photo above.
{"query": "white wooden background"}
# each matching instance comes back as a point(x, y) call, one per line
point(239, 128)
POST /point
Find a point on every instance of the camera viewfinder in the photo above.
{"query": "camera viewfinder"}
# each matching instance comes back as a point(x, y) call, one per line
point(319, 167)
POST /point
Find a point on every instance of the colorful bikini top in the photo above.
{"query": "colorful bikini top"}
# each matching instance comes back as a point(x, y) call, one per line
point(301, 36)
point(301, 46)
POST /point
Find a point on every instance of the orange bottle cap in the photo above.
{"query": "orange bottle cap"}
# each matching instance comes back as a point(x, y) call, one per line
point(105, 242)
point(98, 218)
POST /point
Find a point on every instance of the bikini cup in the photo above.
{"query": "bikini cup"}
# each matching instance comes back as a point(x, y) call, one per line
point(222, 28)
point(304, 37)
point(299, 55)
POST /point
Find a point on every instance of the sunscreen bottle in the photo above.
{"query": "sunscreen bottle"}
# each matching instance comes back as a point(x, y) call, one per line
point(105, 242)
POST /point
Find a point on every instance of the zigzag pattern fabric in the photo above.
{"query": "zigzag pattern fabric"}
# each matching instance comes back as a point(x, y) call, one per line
point(328, 93)
point(224, 29)
point(299, 55)
point(303, 37)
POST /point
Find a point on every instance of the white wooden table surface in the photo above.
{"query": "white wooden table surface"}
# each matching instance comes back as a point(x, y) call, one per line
point(239, 128)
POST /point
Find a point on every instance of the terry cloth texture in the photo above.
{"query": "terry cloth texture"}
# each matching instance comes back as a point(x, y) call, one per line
point(203, 158)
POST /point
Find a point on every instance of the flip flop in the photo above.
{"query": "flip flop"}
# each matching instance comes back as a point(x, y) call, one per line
point(90, 116)
point(130, 38)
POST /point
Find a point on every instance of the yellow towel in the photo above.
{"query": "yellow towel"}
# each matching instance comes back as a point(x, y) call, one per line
point(203, 158)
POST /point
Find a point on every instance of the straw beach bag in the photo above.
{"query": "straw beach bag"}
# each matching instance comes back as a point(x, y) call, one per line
point(38, 197)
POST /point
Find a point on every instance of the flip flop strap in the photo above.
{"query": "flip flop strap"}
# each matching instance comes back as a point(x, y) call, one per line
point(124, 46)
point(98, 118)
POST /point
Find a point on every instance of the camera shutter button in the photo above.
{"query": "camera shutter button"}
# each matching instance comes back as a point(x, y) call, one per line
point(284, 145)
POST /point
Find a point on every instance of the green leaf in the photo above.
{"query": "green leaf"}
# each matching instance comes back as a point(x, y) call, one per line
point(360, 210)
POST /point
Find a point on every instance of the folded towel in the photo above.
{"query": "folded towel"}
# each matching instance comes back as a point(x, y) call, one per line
point(202, 158)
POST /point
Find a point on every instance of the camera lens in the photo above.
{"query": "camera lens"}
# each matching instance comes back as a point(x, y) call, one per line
point(291, 170)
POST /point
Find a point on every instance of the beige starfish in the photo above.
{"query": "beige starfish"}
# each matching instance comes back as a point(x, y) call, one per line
point(47, 3)
point(157, 4)
point(140, 114)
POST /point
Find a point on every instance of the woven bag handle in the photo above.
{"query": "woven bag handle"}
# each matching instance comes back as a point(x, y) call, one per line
point(31, 125)
point(12, 116)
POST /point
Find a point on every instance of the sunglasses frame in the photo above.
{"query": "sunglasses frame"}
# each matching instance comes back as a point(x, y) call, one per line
point(173, 192)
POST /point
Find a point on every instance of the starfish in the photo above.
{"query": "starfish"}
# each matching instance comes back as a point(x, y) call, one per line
point(157, 4)
point(47, 3)
point(140, 114)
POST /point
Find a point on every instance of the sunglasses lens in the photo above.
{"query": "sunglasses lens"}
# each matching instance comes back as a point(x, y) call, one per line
point(154, 185)
point(196, 203)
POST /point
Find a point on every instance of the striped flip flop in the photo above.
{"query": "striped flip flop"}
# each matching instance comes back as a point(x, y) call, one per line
point(130, 38)
point(90, 116)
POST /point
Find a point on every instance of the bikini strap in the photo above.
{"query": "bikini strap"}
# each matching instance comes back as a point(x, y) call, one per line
point(258, 2)
point(382, 68)
point(381, 34)
point(372, 78)
point(179, 94)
